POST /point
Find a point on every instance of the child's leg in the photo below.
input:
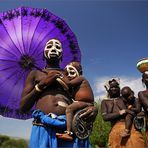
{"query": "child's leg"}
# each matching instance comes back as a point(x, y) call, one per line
point(70, 111)
point(128, 121)
point(128, 125)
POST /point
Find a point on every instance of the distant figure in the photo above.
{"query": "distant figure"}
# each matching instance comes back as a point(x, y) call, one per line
point(114, 110)
point(132, 104)
point(143, 97)
point(82, 95)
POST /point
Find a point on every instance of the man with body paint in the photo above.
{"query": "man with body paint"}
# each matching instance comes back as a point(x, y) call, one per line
point(50, 99)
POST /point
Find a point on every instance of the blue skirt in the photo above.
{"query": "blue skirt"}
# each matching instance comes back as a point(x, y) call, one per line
point(45, 137)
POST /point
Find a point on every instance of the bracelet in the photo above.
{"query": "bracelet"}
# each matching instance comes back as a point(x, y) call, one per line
point(37, 88)
point(61, 76)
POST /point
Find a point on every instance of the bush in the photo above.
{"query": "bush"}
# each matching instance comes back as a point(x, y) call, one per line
point(3, 139)
point(99, 135)
point(7, 142)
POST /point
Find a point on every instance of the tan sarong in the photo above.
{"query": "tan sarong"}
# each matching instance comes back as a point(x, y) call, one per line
point(134, 141)
point(147, 137)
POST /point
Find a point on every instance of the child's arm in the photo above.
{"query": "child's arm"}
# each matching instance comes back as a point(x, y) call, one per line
point(137, 107)
point(76, 81)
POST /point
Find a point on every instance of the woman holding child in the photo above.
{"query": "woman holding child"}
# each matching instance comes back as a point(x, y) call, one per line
point(114, 110)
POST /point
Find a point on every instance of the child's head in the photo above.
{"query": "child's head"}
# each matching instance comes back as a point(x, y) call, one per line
point(73, 70)
point(127, 93)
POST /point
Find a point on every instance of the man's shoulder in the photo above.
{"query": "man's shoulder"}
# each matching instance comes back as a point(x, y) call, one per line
point(81, 77)
point(34, 72)
point(143, 92)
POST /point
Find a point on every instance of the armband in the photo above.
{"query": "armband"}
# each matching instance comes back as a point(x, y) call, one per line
point(37, 88)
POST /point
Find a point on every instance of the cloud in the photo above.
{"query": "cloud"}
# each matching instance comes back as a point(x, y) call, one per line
point(133, 82)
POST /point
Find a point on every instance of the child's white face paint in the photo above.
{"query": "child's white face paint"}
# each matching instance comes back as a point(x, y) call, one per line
point(71, 71)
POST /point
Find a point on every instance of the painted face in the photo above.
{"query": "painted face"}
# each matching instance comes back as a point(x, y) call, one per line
point(53, 49)
point(71, 72)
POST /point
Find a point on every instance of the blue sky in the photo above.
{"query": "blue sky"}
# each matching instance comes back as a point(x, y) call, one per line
point(112, 35)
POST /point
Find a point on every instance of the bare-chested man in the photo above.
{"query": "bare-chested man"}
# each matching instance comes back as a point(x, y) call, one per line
point(143, 95)
point(114, 110)
point(42, 90)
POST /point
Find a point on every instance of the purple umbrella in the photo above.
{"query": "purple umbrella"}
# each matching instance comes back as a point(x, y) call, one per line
point(23, 34)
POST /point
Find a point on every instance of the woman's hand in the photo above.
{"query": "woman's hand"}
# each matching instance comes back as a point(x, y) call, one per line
point(125, 111)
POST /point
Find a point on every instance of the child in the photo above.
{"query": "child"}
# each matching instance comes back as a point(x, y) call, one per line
point(133, 108)
point(82, 93)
